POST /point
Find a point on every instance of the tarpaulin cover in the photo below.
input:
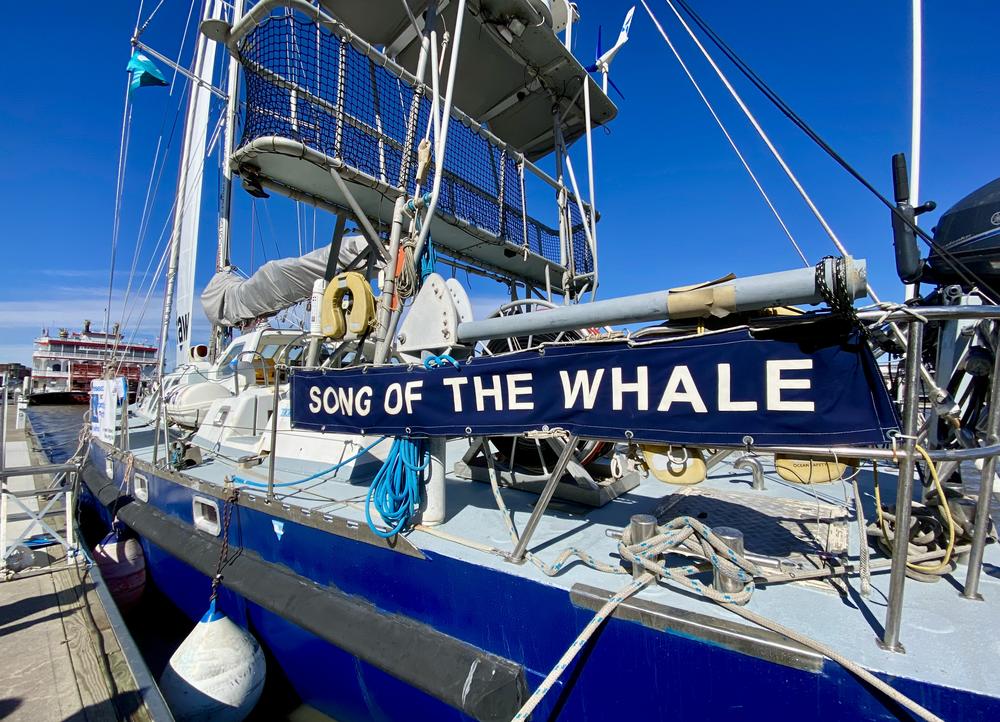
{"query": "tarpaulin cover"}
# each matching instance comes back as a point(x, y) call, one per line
point(710, 389)
point(230, 300)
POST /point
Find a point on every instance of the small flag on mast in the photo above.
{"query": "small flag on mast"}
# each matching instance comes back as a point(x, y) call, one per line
point(143, 71)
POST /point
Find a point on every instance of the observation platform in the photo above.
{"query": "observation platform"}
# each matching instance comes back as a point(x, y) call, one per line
point(513, 68)
point(328, 115)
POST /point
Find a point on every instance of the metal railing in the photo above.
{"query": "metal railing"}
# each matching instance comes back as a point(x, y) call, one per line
point(61, 488)
point(309, 79)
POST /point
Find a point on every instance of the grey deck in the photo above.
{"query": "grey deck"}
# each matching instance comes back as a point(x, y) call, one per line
point(941, 631)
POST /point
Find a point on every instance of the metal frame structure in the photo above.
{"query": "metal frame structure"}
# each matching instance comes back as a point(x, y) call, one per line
point(61, 487)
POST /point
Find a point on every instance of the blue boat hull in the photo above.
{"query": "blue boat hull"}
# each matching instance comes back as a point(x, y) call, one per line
point(629, 669)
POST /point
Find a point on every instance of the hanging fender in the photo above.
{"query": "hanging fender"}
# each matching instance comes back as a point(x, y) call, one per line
point(334, 321)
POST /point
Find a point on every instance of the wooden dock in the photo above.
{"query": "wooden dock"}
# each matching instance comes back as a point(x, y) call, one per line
point(65, 651)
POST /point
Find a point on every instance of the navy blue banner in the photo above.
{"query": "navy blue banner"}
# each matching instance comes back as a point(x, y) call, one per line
point(702, 390)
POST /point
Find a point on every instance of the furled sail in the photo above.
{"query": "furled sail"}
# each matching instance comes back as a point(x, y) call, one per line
point(229, 300)
point(187, 215)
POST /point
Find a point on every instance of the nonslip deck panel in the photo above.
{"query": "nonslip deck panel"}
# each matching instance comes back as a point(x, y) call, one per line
point(482, 685)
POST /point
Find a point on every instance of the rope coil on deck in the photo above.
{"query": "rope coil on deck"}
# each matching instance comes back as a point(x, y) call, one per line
point(688, 535)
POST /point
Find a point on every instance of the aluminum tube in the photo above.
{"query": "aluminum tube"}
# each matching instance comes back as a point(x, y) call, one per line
point(981, 528)
point(861, 452)
point(384, 328)
point(740, 294)
point(904, 491)
point(3, 428)
point(274, 432)
point(543, 499)
point(934, 313)
point(374, 242)
point(433, 511)
point(37, 470)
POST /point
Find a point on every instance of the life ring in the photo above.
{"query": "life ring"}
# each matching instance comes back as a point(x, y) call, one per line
point(334, 321)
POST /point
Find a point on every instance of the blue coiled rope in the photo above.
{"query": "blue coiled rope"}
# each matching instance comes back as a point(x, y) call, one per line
point(433, 362)
point(318, 474)
point(395, 492)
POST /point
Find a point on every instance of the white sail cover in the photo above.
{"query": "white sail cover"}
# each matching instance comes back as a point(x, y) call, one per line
point(188, 210)
point(230, 300)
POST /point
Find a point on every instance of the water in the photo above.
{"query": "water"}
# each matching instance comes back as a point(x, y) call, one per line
point(157, 627)
point(57, 429)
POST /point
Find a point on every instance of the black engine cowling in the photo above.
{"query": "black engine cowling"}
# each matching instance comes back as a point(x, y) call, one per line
point(969, 233)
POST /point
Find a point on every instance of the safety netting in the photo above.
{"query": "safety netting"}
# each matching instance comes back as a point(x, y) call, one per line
point(310, 85)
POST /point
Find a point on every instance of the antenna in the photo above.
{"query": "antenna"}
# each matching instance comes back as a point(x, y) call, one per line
point(602, 61)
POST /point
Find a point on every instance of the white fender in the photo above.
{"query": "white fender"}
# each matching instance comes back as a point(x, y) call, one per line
point(217, 673)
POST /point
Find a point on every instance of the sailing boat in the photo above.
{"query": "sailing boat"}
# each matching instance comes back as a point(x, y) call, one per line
point(421, 514)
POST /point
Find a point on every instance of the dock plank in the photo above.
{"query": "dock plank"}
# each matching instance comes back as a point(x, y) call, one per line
point(61, 658)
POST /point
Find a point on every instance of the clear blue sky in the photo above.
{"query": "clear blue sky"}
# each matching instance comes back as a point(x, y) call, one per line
point(676, 205)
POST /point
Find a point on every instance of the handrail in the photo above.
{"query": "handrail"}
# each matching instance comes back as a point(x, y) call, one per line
point(234, 35)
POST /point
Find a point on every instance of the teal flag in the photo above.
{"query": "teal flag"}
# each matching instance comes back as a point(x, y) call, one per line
point(143, 71)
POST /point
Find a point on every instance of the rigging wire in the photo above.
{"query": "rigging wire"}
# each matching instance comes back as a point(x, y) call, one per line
point(725, 132)
point(152, 190)
point(763, 135)
point(147, 207)
point(960, 267)
point(119, 192)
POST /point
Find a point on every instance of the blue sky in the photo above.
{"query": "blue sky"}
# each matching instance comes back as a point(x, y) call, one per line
point(676, 205)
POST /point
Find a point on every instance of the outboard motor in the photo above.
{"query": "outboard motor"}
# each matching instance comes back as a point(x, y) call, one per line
point(969, 233)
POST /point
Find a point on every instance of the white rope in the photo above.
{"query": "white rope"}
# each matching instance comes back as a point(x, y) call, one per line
point(574, 649)
point(725, 132)
point(851, 666)
point(119, 192)
point(760, 131)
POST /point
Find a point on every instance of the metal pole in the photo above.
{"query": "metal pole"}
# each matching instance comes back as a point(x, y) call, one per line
point(220, 334)
point(904, 490)
point(797, 286)
point(3, 478)
point(3, 420)
point(543, 499)
point(979, 533)
point(433, 511)
point(278, 370)
point(383, 331)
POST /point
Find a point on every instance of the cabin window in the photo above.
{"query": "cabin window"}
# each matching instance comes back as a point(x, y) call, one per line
point(224, 366)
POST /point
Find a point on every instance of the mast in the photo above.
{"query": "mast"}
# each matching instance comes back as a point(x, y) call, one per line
point(220, 334)
point(187, 208)
point(916, 115)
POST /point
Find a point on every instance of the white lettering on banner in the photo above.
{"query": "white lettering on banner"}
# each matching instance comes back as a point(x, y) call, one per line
point(456, 393)
point(582, 383)
point(393, 400)
point(631, 389)
point(775, 384)
point(412, 393)
point(363, 401)
point(514, 391)
point(726, 402)
point(680, 387)
point(334, 399)
point(493, 392)
point(640, 388)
